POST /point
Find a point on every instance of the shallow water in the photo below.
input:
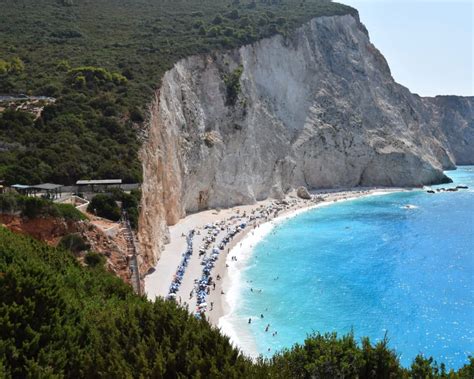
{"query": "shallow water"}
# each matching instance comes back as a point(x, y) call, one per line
point(400, 264)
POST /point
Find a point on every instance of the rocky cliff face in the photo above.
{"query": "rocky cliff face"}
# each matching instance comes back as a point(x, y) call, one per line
point(317, 109)
point(455, 116)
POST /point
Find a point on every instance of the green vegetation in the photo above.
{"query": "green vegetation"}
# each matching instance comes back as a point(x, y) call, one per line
point(104, 205)
point(14, 67)
point(34, 207)
point(74, 243)
point(130, 203)
point(232, 82)
point(102, 60)
point(59, 319)
point(94, 259)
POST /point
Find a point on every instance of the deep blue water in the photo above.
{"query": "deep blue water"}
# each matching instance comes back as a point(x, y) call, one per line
point(373, 266)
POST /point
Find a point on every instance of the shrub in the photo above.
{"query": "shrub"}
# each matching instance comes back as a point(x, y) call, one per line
point(16, 66)
point(8, 203)
point(232, 83)
point(74, 243)
point(130, 204)
point(214, 31)
point(34, 207)
point(69, 212)
point(94, 77)
point(229, 32)
point(233, 14)
point(198, 24)
point(104, 206)
point(217, 20)
point(4, 67)
point(281, 21)
point(93, 259)
point(136, 115)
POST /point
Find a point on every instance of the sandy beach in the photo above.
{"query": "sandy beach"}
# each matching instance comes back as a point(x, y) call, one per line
point(215, 226)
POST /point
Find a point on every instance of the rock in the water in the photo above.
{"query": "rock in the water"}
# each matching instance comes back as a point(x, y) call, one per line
point(303, 193)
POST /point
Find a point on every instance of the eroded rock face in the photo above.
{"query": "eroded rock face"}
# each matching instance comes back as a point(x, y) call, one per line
point(317, 109)
point(303, 193)
point(455, 116)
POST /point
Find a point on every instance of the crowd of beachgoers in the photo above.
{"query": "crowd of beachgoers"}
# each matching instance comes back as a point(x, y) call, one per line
point(193, 267)
point(216, 239)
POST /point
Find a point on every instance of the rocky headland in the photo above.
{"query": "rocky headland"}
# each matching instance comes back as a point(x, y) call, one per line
point(318, 108)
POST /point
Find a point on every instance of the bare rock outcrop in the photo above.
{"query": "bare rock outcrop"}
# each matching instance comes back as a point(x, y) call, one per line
point(318, 109)
point(303, 193)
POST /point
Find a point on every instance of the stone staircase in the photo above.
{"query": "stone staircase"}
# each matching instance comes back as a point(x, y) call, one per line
point(132, 254)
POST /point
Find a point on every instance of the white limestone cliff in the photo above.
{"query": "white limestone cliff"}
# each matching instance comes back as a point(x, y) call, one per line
point(317, 109)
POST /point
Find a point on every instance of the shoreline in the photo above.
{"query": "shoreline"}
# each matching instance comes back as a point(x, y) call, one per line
point(260, 218)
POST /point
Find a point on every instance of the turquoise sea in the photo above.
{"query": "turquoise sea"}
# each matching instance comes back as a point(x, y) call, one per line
point(401, 264)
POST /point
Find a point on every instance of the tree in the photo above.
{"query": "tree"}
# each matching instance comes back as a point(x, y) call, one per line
point(217, 20)
point(233, 14)
point(16, 66)
point(104, 206)
point(4, 67)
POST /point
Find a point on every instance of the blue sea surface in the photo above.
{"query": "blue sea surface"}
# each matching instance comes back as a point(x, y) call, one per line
point(372, 266)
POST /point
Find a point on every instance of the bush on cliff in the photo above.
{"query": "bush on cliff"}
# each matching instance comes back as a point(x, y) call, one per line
point(232, 83)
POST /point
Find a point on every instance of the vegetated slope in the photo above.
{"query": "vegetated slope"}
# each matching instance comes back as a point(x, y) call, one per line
point(103, 60)
point(59, 319)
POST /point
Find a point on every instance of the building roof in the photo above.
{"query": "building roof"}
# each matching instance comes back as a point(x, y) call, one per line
point(47, 186)
point(20, 186)
point(102, 181)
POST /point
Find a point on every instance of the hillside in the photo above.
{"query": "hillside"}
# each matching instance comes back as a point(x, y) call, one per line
point(108, 67)
point(103, 60)
point(59, 319)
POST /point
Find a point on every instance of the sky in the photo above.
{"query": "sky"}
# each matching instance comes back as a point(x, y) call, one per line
point(429, 44)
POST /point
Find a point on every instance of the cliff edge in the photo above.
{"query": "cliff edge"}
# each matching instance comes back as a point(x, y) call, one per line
point(318, 108)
